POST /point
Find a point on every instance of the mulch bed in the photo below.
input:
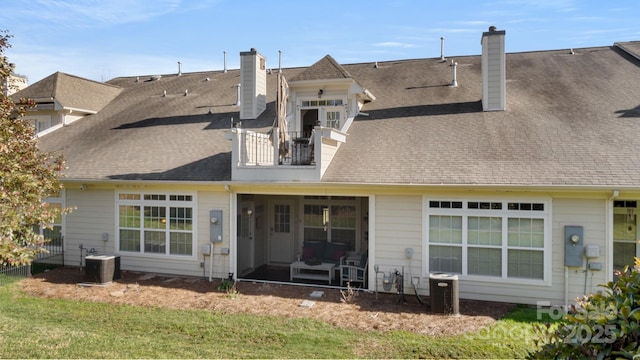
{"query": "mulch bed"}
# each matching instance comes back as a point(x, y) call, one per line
point(364, 310)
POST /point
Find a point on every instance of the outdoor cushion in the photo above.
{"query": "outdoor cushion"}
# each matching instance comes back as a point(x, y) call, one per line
point(318, 248)
point(333, 249)
point(324, 251)
point(307, 252)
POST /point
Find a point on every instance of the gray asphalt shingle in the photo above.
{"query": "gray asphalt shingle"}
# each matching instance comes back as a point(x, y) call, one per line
point(571, 119)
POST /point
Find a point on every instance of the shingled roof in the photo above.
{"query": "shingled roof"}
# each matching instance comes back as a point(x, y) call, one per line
point(570, 120)
point(71, 92)
point(326, 68)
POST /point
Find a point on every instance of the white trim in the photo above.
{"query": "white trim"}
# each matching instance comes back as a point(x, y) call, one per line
point(371, 278)
point(166, 202)
point(63, 219)
point(505, 214)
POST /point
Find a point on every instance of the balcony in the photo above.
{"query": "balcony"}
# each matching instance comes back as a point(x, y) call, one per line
point(300, 157)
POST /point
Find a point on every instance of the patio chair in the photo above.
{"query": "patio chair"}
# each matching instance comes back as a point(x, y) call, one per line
point(355, 272)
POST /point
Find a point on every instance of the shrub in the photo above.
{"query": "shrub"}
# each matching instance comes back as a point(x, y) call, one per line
point(600, 326)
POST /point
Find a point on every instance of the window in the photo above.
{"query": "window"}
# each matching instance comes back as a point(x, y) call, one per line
point(52, 232)
point(493, 239)
point(39, 122)
point(333, 119)
point(326, 113)
point(331, 219)
point(151, 224)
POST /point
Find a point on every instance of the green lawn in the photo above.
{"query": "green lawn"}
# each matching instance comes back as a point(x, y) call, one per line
point(48, 328)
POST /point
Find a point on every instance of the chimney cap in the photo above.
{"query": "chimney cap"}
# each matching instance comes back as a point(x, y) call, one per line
point(493, 31)
point(252, 51)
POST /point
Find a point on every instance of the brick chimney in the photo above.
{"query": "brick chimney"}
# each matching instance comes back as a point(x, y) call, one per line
point(494, 97)
point(253, 84)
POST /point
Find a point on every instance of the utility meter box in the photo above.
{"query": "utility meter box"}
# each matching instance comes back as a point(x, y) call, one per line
point(215, 226)
point(591, 251)
point(573, 245)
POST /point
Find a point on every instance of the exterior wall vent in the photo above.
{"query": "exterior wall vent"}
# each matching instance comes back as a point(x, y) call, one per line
point(493, 70)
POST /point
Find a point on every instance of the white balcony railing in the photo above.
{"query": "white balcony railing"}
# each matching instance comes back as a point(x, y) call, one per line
point(266, 149)
point(302, 157)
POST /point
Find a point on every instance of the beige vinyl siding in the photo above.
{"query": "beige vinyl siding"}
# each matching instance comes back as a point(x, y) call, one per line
point(398, 226)
point(190, 266)
point(399, 223)
point(591, 214)
point(92, 216)
point(207, 201)
point(329, 148)
point(95, 213)
point(588, 213)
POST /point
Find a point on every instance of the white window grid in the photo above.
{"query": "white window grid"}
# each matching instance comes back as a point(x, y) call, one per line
point(504, 209)
point(178, 208)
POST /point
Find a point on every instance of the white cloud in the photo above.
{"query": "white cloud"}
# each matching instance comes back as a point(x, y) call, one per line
point(94, 13)
point(394, 44)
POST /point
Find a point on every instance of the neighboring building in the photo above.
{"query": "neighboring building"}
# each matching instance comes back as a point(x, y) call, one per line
point(14, 83)
point(483, 166)
point(62, 99)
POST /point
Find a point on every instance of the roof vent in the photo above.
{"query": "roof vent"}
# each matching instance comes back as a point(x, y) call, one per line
point(186, 92)
point(571, 51)
point(164, 93)
point(375, 65)
point(137, 78)
point(454, 81)
point(207, 79)
point(155, 77)
point(179, 68)
point(225, 61)
point(442, 49)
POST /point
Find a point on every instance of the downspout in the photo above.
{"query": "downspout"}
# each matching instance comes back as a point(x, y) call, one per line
point(233, 239)
point(609, 234)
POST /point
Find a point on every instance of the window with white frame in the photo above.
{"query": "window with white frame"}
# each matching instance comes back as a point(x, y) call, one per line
point(500, 239)
point(39, 122)
point(330, 112)
point(153, 223)
point(52, 232)
point(332, 219)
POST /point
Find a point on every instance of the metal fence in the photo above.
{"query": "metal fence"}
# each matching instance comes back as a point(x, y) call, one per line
point(12, 273)
point(52, 258)
point(54, 254)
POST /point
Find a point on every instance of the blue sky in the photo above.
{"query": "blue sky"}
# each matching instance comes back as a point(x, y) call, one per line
point(103, 39)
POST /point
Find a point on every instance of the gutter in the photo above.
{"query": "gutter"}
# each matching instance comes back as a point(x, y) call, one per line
point(484, 187)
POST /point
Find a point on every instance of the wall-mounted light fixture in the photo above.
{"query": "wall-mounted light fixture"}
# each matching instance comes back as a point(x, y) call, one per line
point(320, 92)
point(83, 186)
point(249, 212)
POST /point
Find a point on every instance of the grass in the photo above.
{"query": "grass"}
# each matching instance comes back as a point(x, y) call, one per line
point(50, 328)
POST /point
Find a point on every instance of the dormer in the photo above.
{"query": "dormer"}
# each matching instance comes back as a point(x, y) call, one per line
point(317, 106)
point(326, 95)
point(62, 99)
